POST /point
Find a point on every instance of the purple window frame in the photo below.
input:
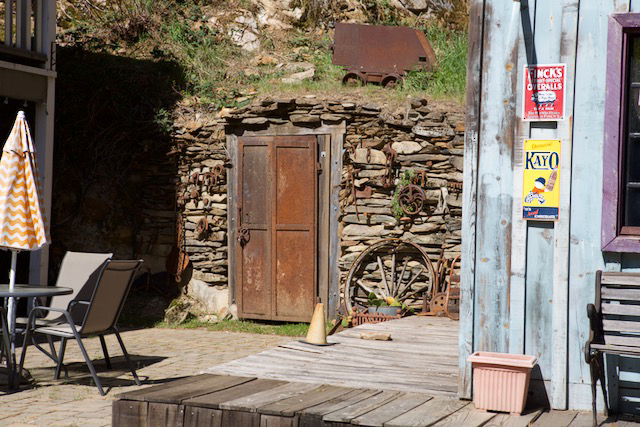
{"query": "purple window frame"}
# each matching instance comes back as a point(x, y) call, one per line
point(620, 26)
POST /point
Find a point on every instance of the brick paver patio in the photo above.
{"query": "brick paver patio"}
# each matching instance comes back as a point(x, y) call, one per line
point(159, 354)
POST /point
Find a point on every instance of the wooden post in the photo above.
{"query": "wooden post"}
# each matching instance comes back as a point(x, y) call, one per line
point(469, 193)
point(8, 22)
point(23, 24)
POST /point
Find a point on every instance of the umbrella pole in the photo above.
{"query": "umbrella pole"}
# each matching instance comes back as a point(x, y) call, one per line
point(12, 302)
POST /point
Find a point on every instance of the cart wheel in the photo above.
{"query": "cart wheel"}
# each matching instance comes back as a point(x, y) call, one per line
point(391, 267)
point(390, 81)
point(353, 79)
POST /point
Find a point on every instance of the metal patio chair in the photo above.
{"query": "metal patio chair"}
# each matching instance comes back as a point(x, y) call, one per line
point(102, 311)
point(78, 271)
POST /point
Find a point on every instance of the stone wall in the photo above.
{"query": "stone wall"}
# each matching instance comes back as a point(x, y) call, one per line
point(424, 140)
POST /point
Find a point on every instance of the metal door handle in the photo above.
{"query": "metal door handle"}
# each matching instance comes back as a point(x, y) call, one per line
point(243, 236)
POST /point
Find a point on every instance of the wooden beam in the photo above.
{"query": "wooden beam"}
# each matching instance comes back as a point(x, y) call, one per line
point(23, 24)
point(469, 194)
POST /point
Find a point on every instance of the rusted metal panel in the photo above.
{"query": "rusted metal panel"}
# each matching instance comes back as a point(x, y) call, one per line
point(254, 295)
point(377, 51)
point(295, 275)
point(255, 172)
point(294, 226)
point(381, 48)
point(295, 184)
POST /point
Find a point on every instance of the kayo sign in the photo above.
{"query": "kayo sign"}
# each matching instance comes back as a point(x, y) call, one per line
point(544, 88)
point(541, 189)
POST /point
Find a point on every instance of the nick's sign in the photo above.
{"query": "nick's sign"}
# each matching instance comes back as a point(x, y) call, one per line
point(543, 92)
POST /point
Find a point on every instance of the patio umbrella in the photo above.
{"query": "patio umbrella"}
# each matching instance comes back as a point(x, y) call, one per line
point(22, 222)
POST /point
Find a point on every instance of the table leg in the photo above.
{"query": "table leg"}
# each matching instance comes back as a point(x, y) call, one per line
point(6, 347)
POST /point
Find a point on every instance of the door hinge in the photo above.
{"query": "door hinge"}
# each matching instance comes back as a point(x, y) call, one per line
point(319, 167)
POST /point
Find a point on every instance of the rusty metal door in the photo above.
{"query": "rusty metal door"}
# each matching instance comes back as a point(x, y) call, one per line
point(277, 203)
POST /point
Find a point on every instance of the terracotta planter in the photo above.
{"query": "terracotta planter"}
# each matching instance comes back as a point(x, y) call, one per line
point(501, 381)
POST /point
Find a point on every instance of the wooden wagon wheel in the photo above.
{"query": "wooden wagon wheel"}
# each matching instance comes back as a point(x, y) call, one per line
point(393, 268)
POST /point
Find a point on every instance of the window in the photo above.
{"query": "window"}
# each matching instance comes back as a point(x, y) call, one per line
point(621, 156)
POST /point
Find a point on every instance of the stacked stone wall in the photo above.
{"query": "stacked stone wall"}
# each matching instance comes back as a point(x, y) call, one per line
point(421, 143)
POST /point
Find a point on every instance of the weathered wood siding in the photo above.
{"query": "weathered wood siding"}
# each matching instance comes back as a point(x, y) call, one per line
point(527, 284)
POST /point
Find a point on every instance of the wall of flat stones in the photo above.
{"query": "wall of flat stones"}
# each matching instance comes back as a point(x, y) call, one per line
point(426, 140)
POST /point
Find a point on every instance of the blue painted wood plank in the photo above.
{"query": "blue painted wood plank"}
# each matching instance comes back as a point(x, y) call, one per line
point(526, 55)
point(540, 294)
point(495, 174)
point(586, 180)
point(559, 22)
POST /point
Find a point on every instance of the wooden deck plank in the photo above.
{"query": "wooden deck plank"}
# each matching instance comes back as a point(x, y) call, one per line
point(289, 407)
point(134, 395)
point(433, 385)
point(201, 417)
point(129, 413)
point(286, 360)
point(175, 393)
point(213, 400)
point(391, 410)
point(276, 421)
point(165, 414)
point(294, 362)
point(237, 418)
point(354, 358)
point(417, 375)
point(583, 419)
point(506, 420)
point(252, 402)
point(468, 416)
point(428, 413)
point(352, 398)
point(348, 413)
point(555, 418)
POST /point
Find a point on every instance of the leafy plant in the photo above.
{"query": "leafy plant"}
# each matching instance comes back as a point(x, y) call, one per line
point(448, 78)
point(383, 12)
point(405, 179)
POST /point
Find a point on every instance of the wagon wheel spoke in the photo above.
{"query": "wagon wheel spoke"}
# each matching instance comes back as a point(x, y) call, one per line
point(401, 277)
point(393, 275)
point(407, 287)
point(384, 276)
point(368, 289)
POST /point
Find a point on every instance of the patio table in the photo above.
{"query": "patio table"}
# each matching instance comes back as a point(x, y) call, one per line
point(27, 291)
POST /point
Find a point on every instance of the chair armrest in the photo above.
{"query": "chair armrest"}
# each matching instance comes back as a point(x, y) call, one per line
point(595, 333)
point(66, 314)
point(73, 303)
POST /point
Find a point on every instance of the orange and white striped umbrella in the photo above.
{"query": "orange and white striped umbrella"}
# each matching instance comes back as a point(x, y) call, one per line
point(22, 220)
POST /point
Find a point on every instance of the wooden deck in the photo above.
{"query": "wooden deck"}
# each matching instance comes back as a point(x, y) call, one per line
point(409, 381)
point(219, 400)
point(421, 357)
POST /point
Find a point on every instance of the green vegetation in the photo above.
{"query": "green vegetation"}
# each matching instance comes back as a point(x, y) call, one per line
point(245, 326)
point(215, 71)
point(405, 179)
point(448, 79)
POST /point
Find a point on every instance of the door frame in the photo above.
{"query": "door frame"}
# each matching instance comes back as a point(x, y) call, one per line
point(332, 138)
